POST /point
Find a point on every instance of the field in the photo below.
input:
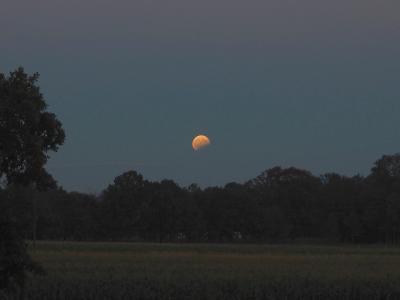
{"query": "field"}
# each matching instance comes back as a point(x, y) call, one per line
point(204, 271)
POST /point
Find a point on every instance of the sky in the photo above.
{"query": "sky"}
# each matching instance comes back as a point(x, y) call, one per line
point(312, 84)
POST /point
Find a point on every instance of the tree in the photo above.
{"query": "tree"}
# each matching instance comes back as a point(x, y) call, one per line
point(385, 175)
point(121, 205)
point(160, 210)
point(28, 132)
point(340, 201)
point(382, 198)
point(295, 191)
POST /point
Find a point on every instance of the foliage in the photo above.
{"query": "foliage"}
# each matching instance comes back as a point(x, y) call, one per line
point(27, 131)
point(278, 205)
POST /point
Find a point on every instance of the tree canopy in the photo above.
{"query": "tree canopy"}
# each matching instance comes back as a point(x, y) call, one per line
point(27, 130)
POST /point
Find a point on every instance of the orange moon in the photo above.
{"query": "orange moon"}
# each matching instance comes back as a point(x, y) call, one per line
point(200, 141)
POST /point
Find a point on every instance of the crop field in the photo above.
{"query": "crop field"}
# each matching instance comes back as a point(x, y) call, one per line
point(205, 271)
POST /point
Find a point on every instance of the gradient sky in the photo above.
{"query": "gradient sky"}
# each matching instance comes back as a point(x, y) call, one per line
point(313, 84)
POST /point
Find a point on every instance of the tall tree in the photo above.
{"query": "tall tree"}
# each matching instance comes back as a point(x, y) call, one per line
point(340, 207)
point(160, 210)
point(121, 206)
point(383, 198)
point(295, 191)
point(28, 132)
point(386, 172)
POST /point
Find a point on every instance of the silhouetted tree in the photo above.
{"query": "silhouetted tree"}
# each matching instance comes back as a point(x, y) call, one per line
point(382, 197)
point(386, 171)
point(121, 206)
point(160, 210)
point(27, 133)
point(340, 201)
point(295, 192)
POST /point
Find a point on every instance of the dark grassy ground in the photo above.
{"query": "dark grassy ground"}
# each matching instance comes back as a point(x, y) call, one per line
point(204, 271)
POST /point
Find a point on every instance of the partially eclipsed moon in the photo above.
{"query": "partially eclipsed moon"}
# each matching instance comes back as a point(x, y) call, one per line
point(200, 141)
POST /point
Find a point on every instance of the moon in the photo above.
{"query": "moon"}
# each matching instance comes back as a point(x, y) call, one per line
point(200, 141)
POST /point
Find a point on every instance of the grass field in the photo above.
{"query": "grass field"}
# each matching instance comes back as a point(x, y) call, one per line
point(203, 271)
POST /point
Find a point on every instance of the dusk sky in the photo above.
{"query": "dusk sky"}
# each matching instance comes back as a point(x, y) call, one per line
point(312, 84)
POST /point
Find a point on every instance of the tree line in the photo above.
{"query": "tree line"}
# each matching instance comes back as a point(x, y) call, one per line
point(281, 204)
